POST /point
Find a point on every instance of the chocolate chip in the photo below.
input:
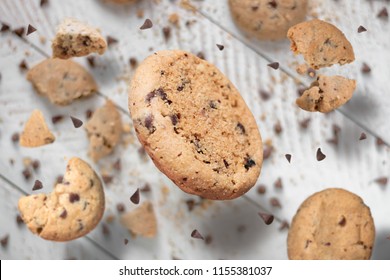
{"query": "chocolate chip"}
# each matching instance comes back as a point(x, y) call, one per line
point(56, 119)
point(278, 184)
point(146, 188)
point(249, 162)
point(365, 68)
point(149, 123)
point(226, 163)
point(273, 4)
point(327, 244)
point(195, 234)
point(35, 164)
point(135, 197)
point(320, 155)
point(166, 32)
point(91, 61)
point(19, 31)
point(174, 119)
point(267, 218)
point(213, 104)
point(342, 221)
point(4, 27)
point(125, 241)
point(76, 122)
point(363, 136)
point(284, 225)
point(201, 55)
point(267, 152)
point(117, 165)
point(120, 207)
point(88, 114)
point(288, 157)
point(361, 29)
point(264, 95)
point(4, 241)
point(220, 47)
point(37, 185)
point(19, 220)
point(240, 128)
point(30, 29)
point(59, 179)
point(44, 3)
point(26, 173)
point(157, 92)
point(73, 197)
point(23, 65)
point(383, 13)
point(133, 62)
point(379, 142)
point(190, 204)
point(261, 189)
point(15, 137)
point(208, 239)
point(64, 214)
point(278, 128)
point(105, 230)
point(107, 179)
point(275, 202)
point(382, 181)
point(111, 41)
point(147, 24)
point(274, 65)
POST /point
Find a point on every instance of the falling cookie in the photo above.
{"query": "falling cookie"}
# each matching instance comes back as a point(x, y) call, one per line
point(333, 224)
point(36, 132)
point(195, 125)
point(141, 221)
point(327, 94)
point(62, 81)
point(321, 44)
point(72, 210)
point(265, 19)
point(75, 38)
point(104, 131)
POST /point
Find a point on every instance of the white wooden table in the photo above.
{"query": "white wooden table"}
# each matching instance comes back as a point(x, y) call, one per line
point(236, 230)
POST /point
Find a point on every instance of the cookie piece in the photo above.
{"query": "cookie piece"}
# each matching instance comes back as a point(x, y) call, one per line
point(333, 224)
point(322, 44)
point(36, 132)
point(266, 19)
point(104, 131)
point(72, 210)
point(327, 94)
point(141, 221)
point(75, 38)
point(62, 81)
point(195, 125)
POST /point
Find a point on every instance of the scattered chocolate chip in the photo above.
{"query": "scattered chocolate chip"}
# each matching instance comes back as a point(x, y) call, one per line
point(35, 164)
point(327, 244)
point(166, 32)
point(382, 181)
point(288, 157)
point(91, 61)
point(23, 65)
point(275, 202)
point(249, 162)
point(146, 188)
point(208, 239)
point(383, 13)
point(274, 65)
point(37, 185)
point(261, 189)
point(56, 119)
point(201, 55)
point(64, 214)
point(59, 179)
point(267, 218)
point(342, 221)
point(120, 207)
point(107, 179)
point(278, 184)
point(220, 47)
point(365, 68)
point(190, 204)
point(125, 241)
point(135, 197)
point(76, 122)
point(273, 4)
point(147, 24)
point(26, 173)
point(73, 197)
point(117, 165)
point(105, 230)
point(133, 62)
point(44, 3)
point(19, 220)
point(267, 152)
point(88, 114)
point(379, 142)
point(361, 29)
point(264, 95)
point(320, 155)
point(284, 225)
point(4, 27)
point(15, 137)
point(195, 234)
point(363, 136)
point(111, 41)
point(278, 128)
point(4, 241)
point(19, 31)
point(30, 29)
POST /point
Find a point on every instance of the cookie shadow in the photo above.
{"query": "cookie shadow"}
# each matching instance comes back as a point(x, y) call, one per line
point(382, 245)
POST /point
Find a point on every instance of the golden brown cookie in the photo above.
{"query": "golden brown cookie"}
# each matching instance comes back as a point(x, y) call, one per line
point(333, 224)
point(75, 38)
point(322, 44)
point(62, 81)
point(36, 132)
point(195, 125)
point(72, 210)
point(267, 19)
point(104, 131)
point(141, 221)
point(327, 94)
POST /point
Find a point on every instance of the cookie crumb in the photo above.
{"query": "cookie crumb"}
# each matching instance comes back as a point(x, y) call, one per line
point(147, 24)
point(195, 234)
point(267, 218)
point(174, 19)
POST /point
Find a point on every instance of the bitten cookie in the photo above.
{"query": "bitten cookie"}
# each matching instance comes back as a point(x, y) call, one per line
point(104, 131)
point(321, 44)
point(333, 224)
point(72, 210)
point(62, 81)
point(75, 38)
point(36, 132)
point(265, 19)
point(141, 221)
point(195, 125)
point(327, 94)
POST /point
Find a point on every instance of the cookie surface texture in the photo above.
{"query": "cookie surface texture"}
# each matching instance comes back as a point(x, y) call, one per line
point(333, 224)
point(265, 19)
point(71, 210)
point(36, 132)
point(195, 125)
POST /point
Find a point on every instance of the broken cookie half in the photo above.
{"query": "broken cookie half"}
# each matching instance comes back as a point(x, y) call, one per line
point(75, 38)
point(327, 94)
point(72, 210)
point(36, 132)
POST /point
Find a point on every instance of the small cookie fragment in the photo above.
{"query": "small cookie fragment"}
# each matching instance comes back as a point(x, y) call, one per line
point(72, 210)
point(141, 221)
point(62, 81)
point(327, 94)
point(333, 224)
point(322, 44)
point(36, 132)
point(75, 38)
point(104, 131)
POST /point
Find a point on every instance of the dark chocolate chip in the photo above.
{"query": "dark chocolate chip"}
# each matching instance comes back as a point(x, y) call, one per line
point(147, 24)
point(19, 220)
point(135, 197)
point(125, 241)
point(383, 13)
point(264, 95)
point(284, 225)
point(19, 31)
point(305, 123)
point(213, 104)
point(382, 181)
point(4, 241)
point(320, 155)
point(44, 3)
point(105, 230)
point(166, 32)
point(35, 164)
point(363, 136)
point(361, 29)
point(220, 47)
point(73, 197)
point(249, 162)
point(111, 41)
point(91, 61)
point(190, 204)
point(30, 29)
point(59, 179)
point(267, 218)
point(26, 173)
point(120, 207)
point(278, 128)
point(4, 27)
point(195, 234)
point(226, 163)
point(64, 214)
point(274, 65)
point(88, 114)
point(145, 188)
point(174, 119)
point(261, 189)
point(365, 68)
point(288, 157)
point(107, 179)
point(76, 122)
point(117, 165)
point(56, 119)
point(201, 55)
point(267, 152)
point(23, 65)
point(240, 128)
point(37, 185)
point(278, 184)
point(327, 244)
point(342, 221)
point(273, 4)
point(275, 202)
point(379, 142)
point(149, 123)
point(133, 62)
point(15, 137)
